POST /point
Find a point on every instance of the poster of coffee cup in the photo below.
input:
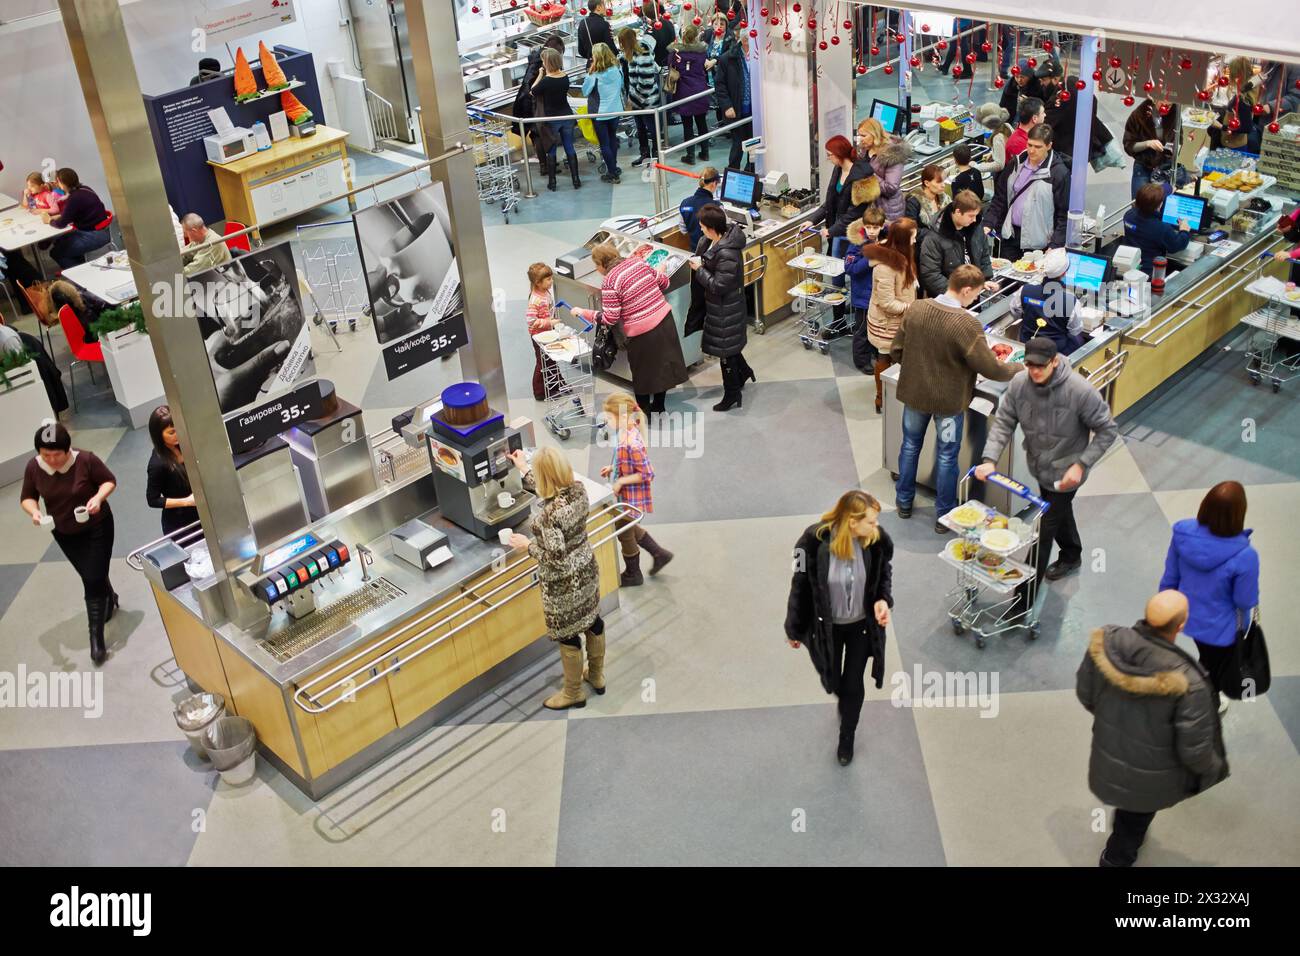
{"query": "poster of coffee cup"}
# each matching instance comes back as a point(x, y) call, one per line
point(251, 317)
point(447, 459)
point(410, 261)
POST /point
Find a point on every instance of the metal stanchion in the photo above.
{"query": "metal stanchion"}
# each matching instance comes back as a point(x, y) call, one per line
point(528, 173)
point(661, 183)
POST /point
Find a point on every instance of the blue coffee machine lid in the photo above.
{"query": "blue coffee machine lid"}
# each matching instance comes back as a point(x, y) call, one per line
point(463, 395)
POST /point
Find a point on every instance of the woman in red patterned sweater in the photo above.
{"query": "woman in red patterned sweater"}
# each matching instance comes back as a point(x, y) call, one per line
point(632, 294)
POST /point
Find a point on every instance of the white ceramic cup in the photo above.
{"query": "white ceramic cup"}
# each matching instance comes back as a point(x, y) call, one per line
point(47, 521)
point(81, 514)
point(505, 499)
point(504, 536)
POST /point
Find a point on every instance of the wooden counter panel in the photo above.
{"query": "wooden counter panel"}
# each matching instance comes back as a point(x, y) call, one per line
point(425, 681)
point(262, 702)
point(354, 724)
point(515, 621)
point(194, 646)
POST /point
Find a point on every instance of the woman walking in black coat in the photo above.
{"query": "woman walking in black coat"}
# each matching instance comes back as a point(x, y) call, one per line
point(719, 266)
point(839, 603)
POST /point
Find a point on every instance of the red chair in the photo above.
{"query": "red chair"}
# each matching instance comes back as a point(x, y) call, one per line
point(83, 352)
point(108, 221)
point(239, 243)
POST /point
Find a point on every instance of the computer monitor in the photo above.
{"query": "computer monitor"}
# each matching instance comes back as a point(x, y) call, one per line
point(1086, 273)
point(741, 188)
point(890, 115)
point(1181, 206)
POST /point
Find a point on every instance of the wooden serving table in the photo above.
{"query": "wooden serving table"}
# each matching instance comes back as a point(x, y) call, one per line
point(292, 176)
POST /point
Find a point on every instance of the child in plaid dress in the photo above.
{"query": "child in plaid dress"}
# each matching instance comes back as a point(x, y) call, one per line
point(541, 316)
point(633, 477)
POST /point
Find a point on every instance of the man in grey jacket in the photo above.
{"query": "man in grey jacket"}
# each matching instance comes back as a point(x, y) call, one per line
point(1156, 736)
point(1068, 427)
point(1031, 198)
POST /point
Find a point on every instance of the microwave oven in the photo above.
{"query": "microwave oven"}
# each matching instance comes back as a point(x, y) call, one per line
point(231, 145)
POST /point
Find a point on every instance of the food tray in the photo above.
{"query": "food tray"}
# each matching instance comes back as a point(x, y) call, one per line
point(819, 296)
point(1266, 182)
point(817, 263)
point(952, 525)
point(986, 577)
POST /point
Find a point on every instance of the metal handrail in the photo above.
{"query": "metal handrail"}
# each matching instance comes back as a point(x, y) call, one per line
point(1108, 371)
point(183, 537)
point(307, 701)
point(383, 122)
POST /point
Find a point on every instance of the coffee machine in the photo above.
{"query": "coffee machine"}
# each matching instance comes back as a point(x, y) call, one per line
point(469, 445)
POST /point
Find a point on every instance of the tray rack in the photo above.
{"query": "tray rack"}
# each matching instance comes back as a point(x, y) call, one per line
point(1266, 356)
point(812, 319)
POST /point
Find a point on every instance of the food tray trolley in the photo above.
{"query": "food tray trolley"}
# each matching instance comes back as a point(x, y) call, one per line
point(493, 171)
point(567, 379)
point(1266, 357)
point(814, 318)
point(984, 599)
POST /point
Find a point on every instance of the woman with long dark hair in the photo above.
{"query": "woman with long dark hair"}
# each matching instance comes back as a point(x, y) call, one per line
point(893, 289)
point(75, 485)
point(168, 486)
point(840, 599)
point(1151, 148)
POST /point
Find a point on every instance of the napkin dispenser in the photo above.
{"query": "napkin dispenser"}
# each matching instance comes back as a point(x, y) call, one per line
point(164, 565)
point(420, 544)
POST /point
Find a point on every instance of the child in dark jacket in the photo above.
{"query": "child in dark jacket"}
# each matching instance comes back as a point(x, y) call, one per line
point(870, 228)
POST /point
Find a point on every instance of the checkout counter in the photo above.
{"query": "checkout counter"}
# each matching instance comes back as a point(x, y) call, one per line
point(387, 613)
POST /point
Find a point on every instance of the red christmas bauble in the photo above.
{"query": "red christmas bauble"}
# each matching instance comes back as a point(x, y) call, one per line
point(835, 40)
point(475, 10)
point(956, 70)
point(861, 70)
point(986, 46)
point(848, 24)
point(1047, 45)
point(941, 45)
point(1185, 63)
point(743, 24)
point(915, 61)
point(822, 45)
point(1203, 95)
point(875, 51)
point(731, 14)
point(1297, 84)
point(1234, 124)
point(786, 36)
point(1032, 62)
point(970, 57)
point(1259, 109)
point(1164, 109)
point(1064, 96)
point(1116, 62)
point(514, 3)
point(1223, 79)
point(686, 6)
point(718, 31)
point(1148, 86)
point(753, 34)
point(998, 82)
point(812, 23)
point(1080, 84)
point(889, 69)
point(656, 26)
point(775, 21)
point(697, 21)
point(1128, 100)
point(1096, 75)
point(1015, 70)
point(796, 8)
point(925, 28)
point(764, 12)
point(1274, 128)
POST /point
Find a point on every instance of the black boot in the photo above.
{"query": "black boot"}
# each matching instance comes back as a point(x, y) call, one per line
point(660, 555)
point(632, 576)
point(95, 617)
point(845, 750)
point(550, 180)
point(577, 183)
point(110, 605)
point(745, 371)
point(704, 153)
point(731, 397)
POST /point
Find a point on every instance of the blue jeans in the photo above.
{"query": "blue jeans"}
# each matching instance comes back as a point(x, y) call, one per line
point(607, 133)
point(563, 131)
point(948, 430)
point(70, 249)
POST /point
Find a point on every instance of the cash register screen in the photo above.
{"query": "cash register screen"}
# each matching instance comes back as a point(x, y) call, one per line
point(1086, 272)
point(740, 187)
point(1179, 206)
point(887, 114)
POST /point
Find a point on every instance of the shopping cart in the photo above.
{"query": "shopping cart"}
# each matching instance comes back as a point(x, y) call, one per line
point(991, 572)
point(568, 380)
point(493, 170)
point(1267, 357)
point(816, 299)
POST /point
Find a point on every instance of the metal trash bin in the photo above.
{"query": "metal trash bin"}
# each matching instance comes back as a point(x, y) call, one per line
point(231, 743)
point(194, 714)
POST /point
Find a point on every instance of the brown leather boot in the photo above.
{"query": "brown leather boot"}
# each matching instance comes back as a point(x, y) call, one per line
point(594, 673)
point(570, 695)
point(660, 554)
point(631, 577)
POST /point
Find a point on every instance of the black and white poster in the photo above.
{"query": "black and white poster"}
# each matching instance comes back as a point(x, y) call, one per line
point(251, 317)
point(411, 274)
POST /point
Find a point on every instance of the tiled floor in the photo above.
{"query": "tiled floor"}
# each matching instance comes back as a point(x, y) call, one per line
point(715, 742)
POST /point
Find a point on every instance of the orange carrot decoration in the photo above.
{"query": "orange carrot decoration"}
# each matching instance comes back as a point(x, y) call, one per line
point(294, 111)
point(245, 83)
point(272, 75)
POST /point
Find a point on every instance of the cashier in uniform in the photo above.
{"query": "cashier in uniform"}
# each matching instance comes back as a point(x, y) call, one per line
point(690, 208)
point(1051, 303)
point(1146, 230)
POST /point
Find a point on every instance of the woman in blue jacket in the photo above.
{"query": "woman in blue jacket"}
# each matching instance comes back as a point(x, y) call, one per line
point(1145, 229)
point(1211, 561)
point(858, 268)
point(606, 79)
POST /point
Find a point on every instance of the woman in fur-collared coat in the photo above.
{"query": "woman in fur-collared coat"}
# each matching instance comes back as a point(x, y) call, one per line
point(889, 156)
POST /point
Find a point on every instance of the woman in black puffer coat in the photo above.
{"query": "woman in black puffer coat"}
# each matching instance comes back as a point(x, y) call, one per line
point(720, 272)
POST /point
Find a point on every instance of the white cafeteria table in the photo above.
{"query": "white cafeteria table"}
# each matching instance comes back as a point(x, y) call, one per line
point(112, 283)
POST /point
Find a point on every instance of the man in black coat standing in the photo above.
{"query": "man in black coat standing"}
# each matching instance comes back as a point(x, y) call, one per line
point(732, 89)
point(593, 29)
point(1156, 736)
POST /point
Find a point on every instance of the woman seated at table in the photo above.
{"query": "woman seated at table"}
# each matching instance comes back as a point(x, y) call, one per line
point(85, 212)
point(54, 295)
point(40, 196)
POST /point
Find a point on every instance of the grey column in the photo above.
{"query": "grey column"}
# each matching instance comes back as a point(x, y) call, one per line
point(432, 29)
point(106, 70)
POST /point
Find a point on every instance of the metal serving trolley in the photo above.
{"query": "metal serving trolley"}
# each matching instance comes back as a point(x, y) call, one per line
point(817, 299)
point(493, 170)
point(1266, 357)
point(567, 379)
point(988, 571)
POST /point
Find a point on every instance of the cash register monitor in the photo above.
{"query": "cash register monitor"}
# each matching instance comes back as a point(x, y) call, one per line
point(1086, 273)
point(888, 114)
point(741, 188)
point(1181, 206)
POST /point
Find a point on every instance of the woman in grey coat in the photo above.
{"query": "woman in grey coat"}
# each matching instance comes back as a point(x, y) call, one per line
point(720, 272)
point(567, 571)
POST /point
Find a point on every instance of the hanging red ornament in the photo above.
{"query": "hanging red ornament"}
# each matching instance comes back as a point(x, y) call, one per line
point(1185, 63)
point(1080, 84)
point(986, 46)
point(956, 70)
point(970, 57)
point(822, 45)
point(1047, 46)
point(796, 8)
point(1128, 100)
point(915, 61)
point(889, 69)
point(776, 21)
point(786, 36)
point(941, 45)
point(697, 21)
point(1259, 109)
point(1096, 75)
point(998, 82)
point(875, 51)
point(1234, 124)
point(753, 34)
point(1032, 62)
point(718, 31)
point(1164, 109)
point(743, 24)
point(812, 23)
point(657, 26)
point(475, 10)
point(1274, 128)
point(925, 28)
point(514, 3)
point(861, 70)
point(848, 24)
point(686, 6)
point(1297, 84)
point(731, 14)
point(1015, 70)
point(1203, 95)
point(1223, 79)
point(1148, 86)
point(764, 12)
point(1116, 62)
point(1064, 96)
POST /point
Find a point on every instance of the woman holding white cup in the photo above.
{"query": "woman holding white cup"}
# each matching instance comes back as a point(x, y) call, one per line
point(75, 485)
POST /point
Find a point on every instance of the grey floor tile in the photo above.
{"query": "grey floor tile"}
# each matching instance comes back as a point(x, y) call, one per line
point(12, 579)
point(732, 788)
point(1284, 695)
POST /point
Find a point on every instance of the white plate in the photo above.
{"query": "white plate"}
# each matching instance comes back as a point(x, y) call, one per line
point(999, 540)
point(549, 336)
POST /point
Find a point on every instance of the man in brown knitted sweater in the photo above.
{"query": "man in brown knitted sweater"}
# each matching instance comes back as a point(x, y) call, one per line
point(941, 348)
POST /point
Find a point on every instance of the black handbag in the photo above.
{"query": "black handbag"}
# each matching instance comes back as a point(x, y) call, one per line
point(604, 348)
point(1248, 674)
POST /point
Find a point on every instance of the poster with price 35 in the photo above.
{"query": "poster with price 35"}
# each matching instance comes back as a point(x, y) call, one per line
point(412, 278)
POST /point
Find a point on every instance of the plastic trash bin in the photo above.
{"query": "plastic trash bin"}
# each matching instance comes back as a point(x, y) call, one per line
point(194, 714)
point(231, 743)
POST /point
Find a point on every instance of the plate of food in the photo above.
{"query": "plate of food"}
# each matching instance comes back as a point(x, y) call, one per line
point(990, 559)
point(1026, 266)
point(999, 264)
point(809, 260)
point(808, 288)
point(1003, 351)
point(962, 550)
point(1006, 572)
point(967, 516)
point(549, 336)
point(999, 540)
point(834, 298)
